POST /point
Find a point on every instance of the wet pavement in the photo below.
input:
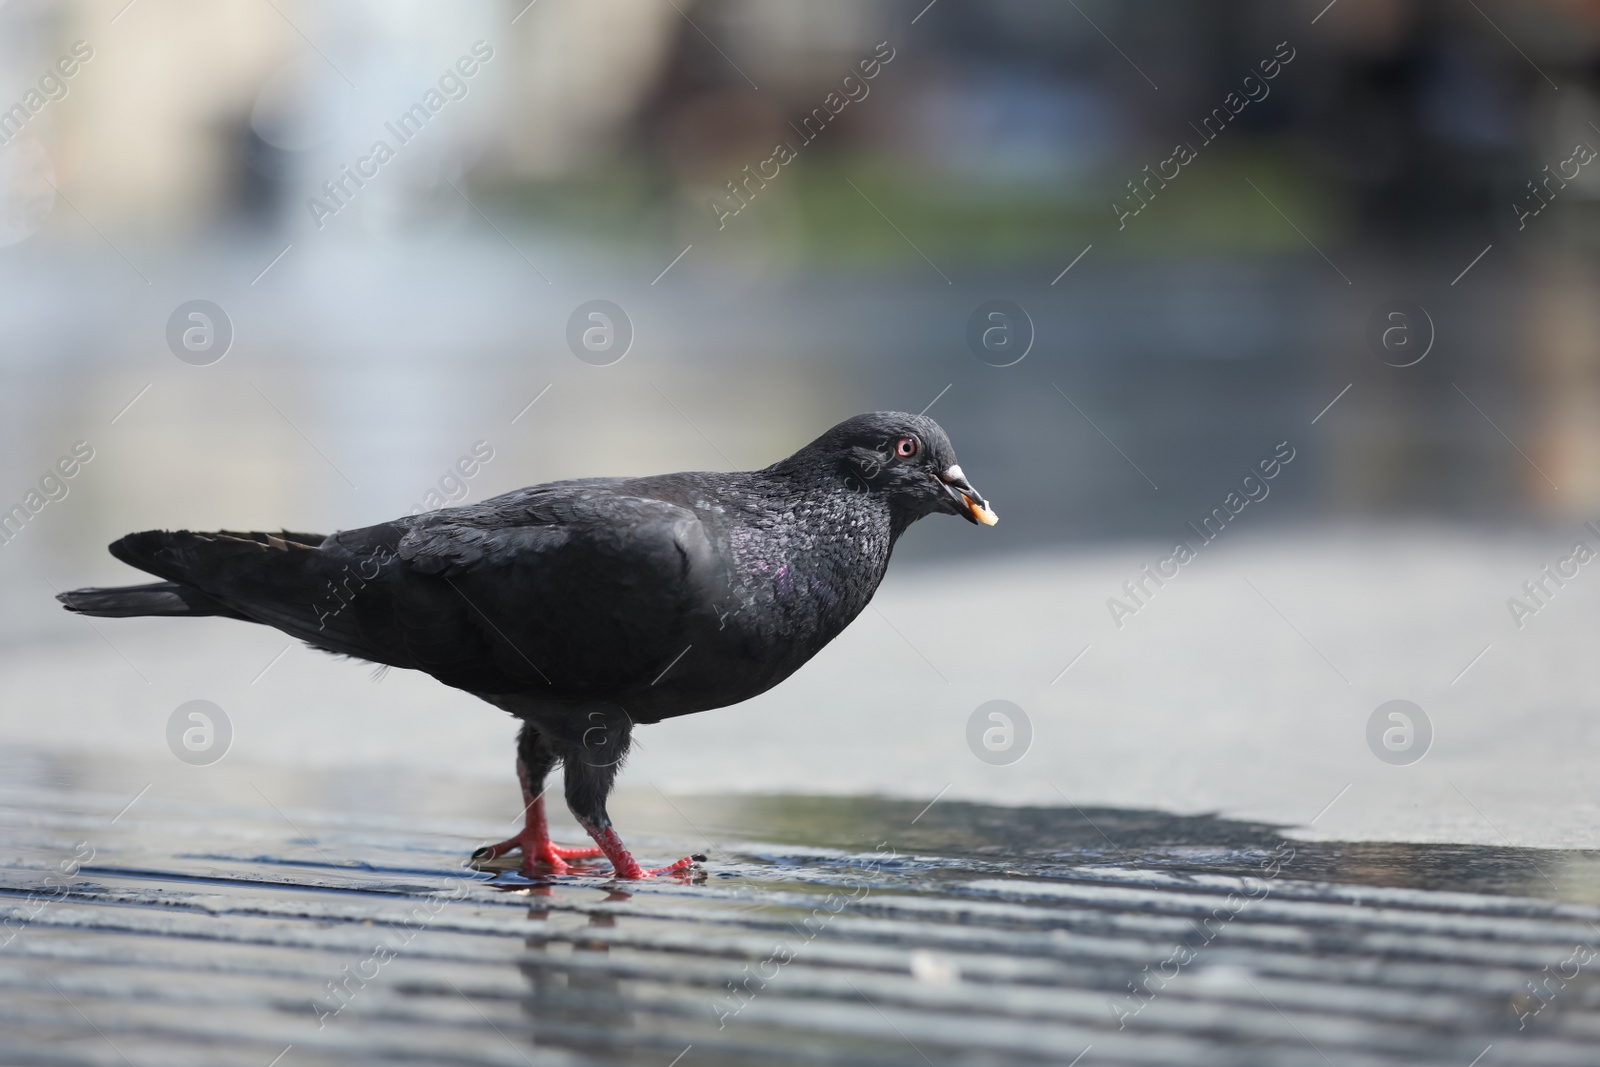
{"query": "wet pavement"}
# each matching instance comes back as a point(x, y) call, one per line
point(256, 916)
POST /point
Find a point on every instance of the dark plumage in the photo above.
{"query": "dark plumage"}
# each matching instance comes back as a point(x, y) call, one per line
point(585, 607)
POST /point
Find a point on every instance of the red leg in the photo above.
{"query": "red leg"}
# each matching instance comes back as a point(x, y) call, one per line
point(534, 843)
point(622, 861)
point(589, 768)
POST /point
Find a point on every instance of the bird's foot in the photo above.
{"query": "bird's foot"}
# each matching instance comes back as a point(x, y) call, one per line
point(679, 867)
point(494, 852)
point(576, 853)
point(629, 868)
point(625, 866)
point(539, 856)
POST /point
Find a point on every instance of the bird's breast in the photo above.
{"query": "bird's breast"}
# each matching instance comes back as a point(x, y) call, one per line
point(795, 593)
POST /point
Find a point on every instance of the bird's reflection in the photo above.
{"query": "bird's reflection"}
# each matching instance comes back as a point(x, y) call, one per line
point(574, 1000)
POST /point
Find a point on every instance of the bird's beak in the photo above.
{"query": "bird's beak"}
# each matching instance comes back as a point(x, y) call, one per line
point(973, 506)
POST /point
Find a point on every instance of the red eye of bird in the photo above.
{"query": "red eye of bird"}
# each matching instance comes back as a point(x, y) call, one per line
point(905, 447)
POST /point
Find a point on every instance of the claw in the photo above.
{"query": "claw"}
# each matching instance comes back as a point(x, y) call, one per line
point(678, 867)
point(494, 852)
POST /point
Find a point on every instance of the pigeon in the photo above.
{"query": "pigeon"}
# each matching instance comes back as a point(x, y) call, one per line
point(585, 608)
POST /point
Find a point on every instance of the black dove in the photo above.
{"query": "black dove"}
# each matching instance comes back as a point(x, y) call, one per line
point(586, 607)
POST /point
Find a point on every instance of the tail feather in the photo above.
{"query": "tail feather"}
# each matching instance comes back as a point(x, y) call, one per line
point(206, 573)
point(129, 601)
point(290, 581)
point(185, 556)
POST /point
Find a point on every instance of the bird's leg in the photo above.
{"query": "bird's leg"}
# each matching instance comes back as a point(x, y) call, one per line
point(589, 771)
point(622, 860)
point(534, 761)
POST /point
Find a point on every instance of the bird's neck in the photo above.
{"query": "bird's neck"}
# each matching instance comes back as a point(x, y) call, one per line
point(816, 553)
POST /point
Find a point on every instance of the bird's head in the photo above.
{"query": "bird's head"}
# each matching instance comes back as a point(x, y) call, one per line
point(906, 460)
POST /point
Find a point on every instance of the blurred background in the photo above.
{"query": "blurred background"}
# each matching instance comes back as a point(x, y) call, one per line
point(376, 314)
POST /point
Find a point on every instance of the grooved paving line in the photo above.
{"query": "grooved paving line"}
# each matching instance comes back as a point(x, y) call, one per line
point(227, 938)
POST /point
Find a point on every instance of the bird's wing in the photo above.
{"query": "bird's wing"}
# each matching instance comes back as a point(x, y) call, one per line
point(578, 588)
point(572, 588)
